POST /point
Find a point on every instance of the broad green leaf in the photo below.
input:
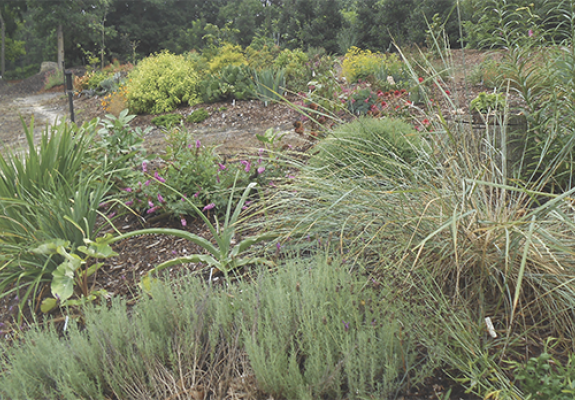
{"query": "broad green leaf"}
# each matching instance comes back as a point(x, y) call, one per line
point(48, 304)
point(63, 282)
point(98, 250)
point(51, 247)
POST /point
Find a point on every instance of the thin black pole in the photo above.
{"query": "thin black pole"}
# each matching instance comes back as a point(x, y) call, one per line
point(70, 91)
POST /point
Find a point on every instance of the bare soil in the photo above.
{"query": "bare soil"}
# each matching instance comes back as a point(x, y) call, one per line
point(231, 126)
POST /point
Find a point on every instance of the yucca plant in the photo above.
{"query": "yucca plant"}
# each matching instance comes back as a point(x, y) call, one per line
point(45, 194)
point(270, 85)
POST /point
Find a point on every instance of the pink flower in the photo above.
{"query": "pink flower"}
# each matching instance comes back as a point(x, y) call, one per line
point(144, 167)
point(221, 167)
point(530, 33)
point(152, 210)
point(208, 207)
point(246, 164)
point(196, 194)
point(129, 203)
point(198, 144)
point(160, 198)
point(147, 183)
point(272, 184)
point(111, 215)
point(128, 190)
point(183, 221)
point(261, 169)
point(158, 177)
point(150, 203)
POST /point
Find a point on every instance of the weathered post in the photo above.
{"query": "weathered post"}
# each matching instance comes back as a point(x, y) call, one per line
point(70, 91)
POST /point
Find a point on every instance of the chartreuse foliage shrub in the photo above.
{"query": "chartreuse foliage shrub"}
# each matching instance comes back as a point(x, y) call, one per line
point(228, 54)
point(311, 329)
point(162, 82)
point(361, 65)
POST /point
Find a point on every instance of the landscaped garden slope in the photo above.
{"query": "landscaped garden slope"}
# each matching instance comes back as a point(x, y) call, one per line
point(420, 234)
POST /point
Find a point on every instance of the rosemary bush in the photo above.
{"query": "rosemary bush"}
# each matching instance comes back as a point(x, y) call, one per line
point(332, 331)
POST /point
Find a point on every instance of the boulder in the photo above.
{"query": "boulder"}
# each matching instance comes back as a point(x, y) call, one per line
point(48, 66)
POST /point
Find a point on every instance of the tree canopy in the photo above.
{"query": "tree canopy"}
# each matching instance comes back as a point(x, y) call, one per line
point(130, 30)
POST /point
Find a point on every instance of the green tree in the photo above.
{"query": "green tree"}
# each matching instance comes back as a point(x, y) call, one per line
point(10, 15)
point(74, 24)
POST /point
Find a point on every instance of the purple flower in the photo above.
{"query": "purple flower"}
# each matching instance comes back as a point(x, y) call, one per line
point(161, 199)
point(278, 245)
point(261, 170)
point(198, 144)
point(158, 177)
point(147, 183)
point(144, 167)
point(246, 164)
point(128, 189)
point(221, 167)
point(345, 326)
point(183, 221)
point(208, 207)
point(150, 203)
point(152, 210)
point(129, 203)
point(196, 194)
point(218, 178)
point(272, 184)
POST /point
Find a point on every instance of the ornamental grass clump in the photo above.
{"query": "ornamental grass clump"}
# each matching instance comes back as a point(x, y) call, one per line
point(497, 241)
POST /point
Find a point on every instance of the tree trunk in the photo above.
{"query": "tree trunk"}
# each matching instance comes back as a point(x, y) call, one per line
point(60, 34)
point(2, 64)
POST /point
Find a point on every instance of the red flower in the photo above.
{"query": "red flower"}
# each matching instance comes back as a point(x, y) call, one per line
point(447, 92)
point(397, 93)
point(420, 79)
point(384, 104)
point(425, 122)
point(403, 91)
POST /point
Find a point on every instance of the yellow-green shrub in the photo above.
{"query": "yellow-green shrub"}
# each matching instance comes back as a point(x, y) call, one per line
point(162, 82)
point(262, 58)
point(228, 54)
point(359, 64)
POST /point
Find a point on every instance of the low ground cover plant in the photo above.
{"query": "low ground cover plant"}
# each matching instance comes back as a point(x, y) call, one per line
point(333, 331)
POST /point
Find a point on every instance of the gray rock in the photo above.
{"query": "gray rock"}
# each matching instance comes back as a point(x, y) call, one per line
point(48, 66)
